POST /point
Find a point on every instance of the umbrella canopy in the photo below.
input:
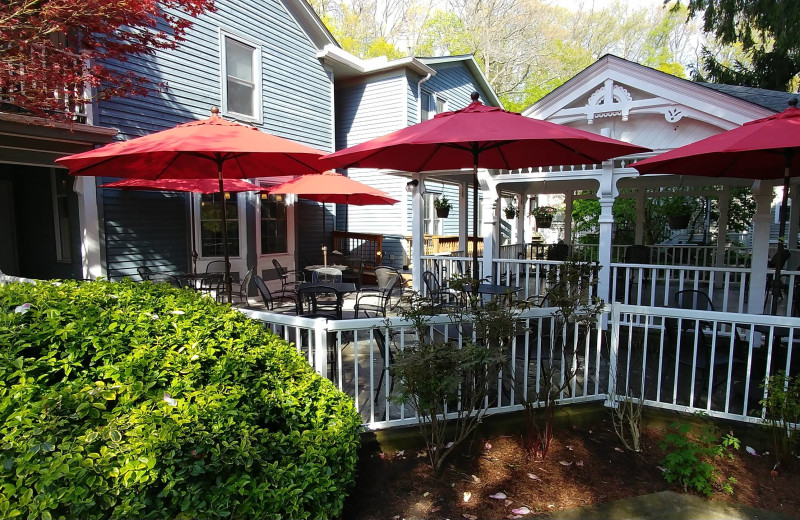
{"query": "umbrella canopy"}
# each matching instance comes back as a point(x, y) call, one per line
point(485, 137)
point(333, 187)
point(204, 186)
point(212, 148)
point(766, 148)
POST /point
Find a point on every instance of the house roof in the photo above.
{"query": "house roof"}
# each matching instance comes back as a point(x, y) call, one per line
point(346, 65)
point(772, 99)
point(310, 22)
point(474, 68)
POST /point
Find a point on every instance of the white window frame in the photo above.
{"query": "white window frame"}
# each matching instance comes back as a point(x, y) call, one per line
point(258, 103)
point(241, 202)
point(429, 211)
point(435, 99)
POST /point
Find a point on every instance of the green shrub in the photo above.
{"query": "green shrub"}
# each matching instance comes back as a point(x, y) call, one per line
point(690, 461)
point(126, 400)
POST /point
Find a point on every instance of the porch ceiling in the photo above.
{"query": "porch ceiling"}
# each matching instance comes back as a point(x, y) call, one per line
point(38, 142)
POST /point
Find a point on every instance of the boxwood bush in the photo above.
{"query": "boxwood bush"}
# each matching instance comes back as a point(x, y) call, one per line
point(127, 400)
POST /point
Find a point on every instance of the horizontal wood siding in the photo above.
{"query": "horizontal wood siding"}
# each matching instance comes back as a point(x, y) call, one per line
point(378, 219)
point(412, 80)
point(309, 230)
point(453, 82)
point(368, 110)
point(155, 235)
point(296, 103)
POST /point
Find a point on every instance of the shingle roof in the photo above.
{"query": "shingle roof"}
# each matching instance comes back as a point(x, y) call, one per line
point(772, 99)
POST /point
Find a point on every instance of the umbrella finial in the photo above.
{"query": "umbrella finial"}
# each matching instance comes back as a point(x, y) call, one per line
point(793, 102)
point(214, 111)
point(475, 97)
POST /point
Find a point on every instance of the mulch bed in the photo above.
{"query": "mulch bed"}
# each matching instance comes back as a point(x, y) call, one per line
point(586, 465)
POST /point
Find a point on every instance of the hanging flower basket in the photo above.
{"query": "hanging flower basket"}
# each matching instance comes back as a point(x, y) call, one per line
point(543, 215)
point(443, 213)
point(442, 206)
point(678, 221)
point(544, 221)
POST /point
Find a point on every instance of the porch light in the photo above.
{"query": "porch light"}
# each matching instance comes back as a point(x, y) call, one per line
point(413, 183)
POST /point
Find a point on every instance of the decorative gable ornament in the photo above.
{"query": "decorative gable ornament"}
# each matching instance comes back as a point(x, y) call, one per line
point(610, 100)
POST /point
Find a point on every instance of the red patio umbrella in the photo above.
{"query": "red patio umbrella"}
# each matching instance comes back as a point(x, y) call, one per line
point(766, 148)
point(333, 187)
point(212, 148)
point(485, 137)
point(192, 186)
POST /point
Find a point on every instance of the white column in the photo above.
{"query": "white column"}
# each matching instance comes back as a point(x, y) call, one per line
point(417, 233)
point(794, 216)
point(463, 217)
point(606, 193)
point(568, 198)
point(488, 231)
point(761, 228)
point(640, 213)
point(86, 189)
point(722, 225)
point(520, 235)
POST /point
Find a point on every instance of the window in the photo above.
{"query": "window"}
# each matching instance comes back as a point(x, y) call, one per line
point(211, 225)
point(431, 105)
point(274, 225)
point(433, 224)
point(241, 78)
point(61, 186)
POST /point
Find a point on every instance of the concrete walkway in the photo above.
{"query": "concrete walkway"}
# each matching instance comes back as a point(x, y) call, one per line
point(668, 505)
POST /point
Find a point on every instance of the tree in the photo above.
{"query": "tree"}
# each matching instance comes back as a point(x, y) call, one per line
point(53, 49)
point(767, 33)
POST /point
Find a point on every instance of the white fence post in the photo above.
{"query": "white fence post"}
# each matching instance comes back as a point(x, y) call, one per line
point(613, 348)
point(321, 347)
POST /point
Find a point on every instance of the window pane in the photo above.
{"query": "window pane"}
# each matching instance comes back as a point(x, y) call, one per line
point(274, 228)
point(63, 185)
point(425, 103)
point(211, 225)
point(240, 77)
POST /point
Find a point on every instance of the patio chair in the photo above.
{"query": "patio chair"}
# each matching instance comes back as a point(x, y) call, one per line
point(319, 301)
point(778, 261)
point(269, 298)
point(290, 279)
point(144, 272)
point(240, 289)
point(355, 270)
point(326, 275)
point(378, 299)
point(440, 296)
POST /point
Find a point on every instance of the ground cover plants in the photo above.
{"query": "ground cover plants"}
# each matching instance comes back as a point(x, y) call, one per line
point(126, 400)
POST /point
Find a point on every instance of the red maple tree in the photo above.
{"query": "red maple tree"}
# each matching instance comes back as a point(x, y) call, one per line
point(55, 52)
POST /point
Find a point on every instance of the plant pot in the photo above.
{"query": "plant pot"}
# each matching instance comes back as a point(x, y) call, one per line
point(544, 222)
point(678, 221)
point(442, 213)
point(510, 215)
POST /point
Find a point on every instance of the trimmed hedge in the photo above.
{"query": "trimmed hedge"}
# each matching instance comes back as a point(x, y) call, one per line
point(128, 400)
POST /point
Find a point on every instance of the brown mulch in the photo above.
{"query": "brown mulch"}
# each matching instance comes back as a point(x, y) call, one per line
point(586, 465)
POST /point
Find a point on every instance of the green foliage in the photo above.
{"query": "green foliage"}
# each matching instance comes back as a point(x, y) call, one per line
point(442, 203)
point(689, 461)
point(125, 400)
point(782, 404)
point(438, 376)
point(767, 33)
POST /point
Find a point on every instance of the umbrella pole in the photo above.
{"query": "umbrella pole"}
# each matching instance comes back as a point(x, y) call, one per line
point(228, 288)
point(474, 219)
point(194, 245)
point(776, 281)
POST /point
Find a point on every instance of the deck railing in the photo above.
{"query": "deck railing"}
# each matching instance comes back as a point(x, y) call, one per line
point(675, 359)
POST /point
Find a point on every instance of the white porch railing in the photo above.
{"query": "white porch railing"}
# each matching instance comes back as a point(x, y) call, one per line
point(675, 359)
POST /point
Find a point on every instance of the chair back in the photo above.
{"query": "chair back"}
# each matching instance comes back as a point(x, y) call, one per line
point(637, 254)
point(145, 273)
point(780, 258)
point(326, 275)
point(248, 277)
point(279, 268)
point(558, 252)
point(431, 282)
point(693, 299)
point(216, 266)
point(316, 301)
point(264, 292)
point(386, 277)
